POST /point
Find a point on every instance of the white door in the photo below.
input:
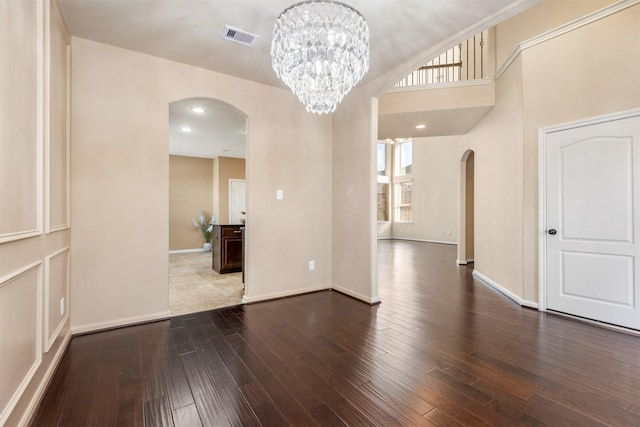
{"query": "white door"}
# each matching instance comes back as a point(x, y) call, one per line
point(237, 200)
point(592, 221)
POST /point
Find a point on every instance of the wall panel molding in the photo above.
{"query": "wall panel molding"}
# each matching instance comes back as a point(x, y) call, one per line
point(18, 300)
point(35, 194)
point(53, 41)
point(49, 339)
point(563, 29)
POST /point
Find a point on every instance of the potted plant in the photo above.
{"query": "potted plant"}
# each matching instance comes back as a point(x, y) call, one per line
point(206, 228)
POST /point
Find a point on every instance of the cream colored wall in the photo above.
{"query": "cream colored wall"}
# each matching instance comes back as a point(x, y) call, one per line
point(469, 206)
point(190, 191)
point(226, 168)
point(437, 99)
point(546, 16)
point(497, 145)
point(34, 214)
point(120, 177)
point(355, 134)
point(436, 176)
point(589, 71)
point(603, 59)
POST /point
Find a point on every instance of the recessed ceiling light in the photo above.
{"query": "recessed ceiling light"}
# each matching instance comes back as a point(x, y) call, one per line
point(185, 129)
point(198, 110)
point(421, 126)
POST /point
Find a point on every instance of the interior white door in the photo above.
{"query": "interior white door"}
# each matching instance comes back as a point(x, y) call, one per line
point(237, 200)
point(592, 220)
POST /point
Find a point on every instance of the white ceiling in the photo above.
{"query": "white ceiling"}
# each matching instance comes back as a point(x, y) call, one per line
point(218, 131)
point(189, 31)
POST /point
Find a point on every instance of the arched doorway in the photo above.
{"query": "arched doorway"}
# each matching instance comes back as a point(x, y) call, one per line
point(466, 224)
point(207, 152)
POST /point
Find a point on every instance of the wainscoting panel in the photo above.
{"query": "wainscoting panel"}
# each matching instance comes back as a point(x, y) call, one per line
point(22, 100)
point(56, 295)
point(57, 140)
point(20, 331)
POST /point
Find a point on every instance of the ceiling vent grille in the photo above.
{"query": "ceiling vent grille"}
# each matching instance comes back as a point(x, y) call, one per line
point(239, 36)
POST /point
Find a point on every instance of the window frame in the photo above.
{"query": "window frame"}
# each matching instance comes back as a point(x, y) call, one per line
point(399, 180)
point(385, 180)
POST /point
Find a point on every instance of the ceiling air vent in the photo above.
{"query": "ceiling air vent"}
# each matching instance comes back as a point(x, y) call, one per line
point(239, 36)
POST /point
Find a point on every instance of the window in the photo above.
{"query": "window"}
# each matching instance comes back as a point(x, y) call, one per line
point(382, 159)
point(402, 158)
point(402, 199)
point(383, 200)
point(402, 181)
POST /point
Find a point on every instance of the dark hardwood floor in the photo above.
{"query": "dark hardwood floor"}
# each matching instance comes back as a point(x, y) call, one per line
point(441, 349)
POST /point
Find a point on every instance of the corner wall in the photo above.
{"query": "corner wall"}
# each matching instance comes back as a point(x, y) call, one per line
point(587, 69)
point(34, 203)
point(120, 182)
point(224, 169)
point(436, 176)
point(190, 191)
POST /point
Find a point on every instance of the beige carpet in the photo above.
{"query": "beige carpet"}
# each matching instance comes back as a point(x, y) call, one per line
point(194, 286)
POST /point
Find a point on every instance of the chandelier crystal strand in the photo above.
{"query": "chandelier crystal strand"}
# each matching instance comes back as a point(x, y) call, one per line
point(320, 50)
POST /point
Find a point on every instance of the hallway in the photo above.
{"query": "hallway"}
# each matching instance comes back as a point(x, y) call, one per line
point(194, 286)
point(441, 349)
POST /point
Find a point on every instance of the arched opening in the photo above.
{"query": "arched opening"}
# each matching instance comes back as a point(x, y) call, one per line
point(466, 217)
point(207, 185)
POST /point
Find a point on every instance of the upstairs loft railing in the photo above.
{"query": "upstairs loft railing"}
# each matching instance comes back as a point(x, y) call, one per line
point(466, 61)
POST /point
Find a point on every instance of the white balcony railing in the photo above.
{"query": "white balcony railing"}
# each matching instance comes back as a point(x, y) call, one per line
point(466, 61)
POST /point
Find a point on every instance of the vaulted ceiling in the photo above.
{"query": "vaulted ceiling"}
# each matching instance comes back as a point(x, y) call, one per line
point(189, 31)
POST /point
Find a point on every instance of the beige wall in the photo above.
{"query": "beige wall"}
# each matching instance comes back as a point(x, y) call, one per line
point(589, 71)
point(497, 145)
point(34, 207)
point(120, 177)
point(354, 187)
point(190, 191)
point(604, 57)
point(436, 176)
point(546, 16)
point(504, 142)
point(469, 207)
point(225, 168)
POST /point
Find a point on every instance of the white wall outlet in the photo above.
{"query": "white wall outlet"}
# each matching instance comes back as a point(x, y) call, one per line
point(62, 306)
point(312, 265)
point(279, 194)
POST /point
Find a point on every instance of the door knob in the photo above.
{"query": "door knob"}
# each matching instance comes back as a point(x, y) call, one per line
point(552, 231)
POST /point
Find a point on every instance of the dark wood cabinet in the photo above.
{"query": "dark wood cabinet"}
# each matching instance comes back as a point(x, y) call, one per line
point(227, 248)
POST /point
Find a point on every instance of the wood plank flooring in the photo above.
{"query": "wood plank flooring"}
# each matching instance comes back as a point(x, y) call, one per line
point(441, 349)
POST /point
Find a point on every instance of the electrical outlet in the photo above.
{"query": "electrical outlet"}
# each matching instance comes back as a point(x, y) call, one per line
point(279, 194)
point(62, 306)
point(312, 265)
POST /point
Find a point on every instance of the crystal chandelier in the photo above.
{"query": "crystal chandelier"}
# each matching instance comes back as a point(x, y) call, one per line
point(320, 50)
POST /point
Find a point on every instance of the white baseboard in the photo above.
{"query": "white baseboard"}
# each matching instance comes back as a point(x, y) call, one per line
point(186, 251)
point(46, 380)
point(440, 242)
point(127, 321)
point(356, 295)
point(505, 291)
point(464, 262)
point(276, 295)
